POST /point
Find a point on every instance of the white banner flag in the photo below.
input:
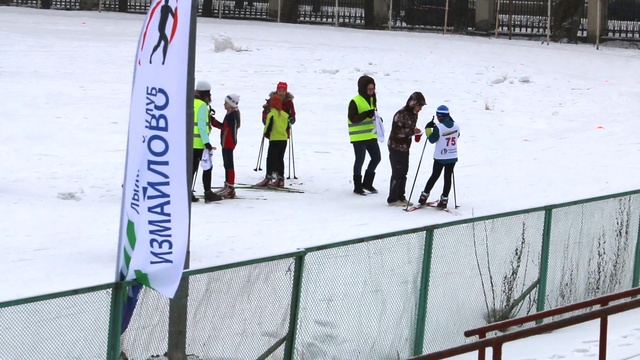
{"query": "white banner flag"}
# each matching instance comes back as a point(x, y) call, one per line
point(154, 220)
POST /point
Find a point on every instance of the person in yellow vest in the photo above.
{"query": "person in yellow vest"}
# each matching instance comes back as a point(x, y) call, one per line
point(201, 101)
point(360, 119)
point(276, 129)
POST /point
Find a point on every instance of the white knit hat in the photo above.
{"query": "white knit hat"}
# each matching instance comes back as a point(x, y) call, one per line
point(203, 86)
point(232, 100)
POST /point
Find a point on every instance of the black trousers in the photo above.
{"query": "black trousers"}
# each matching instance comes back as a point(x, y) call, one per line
point(206, 174)
point(275, 157)
point(435, 174)
point(360, 149)
point(399, 168)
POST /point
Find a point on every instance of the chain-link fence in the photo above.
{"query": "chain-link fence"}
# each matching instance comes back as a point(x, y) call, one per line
point(69, 325)
point(383, 297)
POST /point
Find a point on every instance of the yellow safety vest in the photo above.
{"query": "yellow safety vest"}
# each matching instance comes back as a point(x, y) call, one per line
point(362, 130)
point(197, 140)
point(280, 125)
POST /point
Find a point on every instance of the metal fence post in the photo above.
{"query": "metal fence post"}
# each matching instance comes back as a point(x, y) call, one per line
point(115, 321)
point(544, 261)
point(636, 264)
point(391, 13)
point(296, 292)
point(421, 315)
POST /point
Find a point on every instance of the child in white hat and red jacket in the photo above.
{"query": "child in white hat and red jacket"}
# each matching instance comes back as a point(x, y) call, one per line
point(228, 139)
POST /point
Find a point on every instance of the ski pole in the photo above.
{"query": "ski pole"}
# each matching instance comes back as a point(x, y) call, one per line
point(291, 144)
point(258, 163)
point(193, 182)
point(293, 155)
point(455, 201)
point(417, 172)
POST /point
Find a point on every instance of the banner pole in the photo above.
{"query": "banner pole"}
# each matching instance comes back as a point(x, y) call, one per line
point(177, 332)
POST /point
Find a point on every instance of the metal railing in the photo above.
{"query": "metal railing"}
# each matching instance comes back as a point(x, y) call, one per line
point(496, 342)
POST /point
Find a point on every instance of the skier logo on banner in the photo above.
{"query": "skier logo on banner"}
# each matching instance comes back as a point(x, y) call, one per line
point(165, 12)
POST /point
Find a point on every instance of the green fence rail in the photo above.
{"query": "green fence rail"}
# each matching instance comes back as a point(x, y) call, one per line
point(389, 296)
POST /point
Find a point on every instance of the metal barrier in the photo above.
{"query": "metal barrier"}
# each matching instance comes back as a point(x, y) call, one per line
point(393, 295)
point(497, 342)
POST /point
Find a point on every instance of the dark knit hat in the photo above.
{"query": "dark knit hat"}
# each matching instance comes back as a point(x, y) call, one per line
point(442, 111)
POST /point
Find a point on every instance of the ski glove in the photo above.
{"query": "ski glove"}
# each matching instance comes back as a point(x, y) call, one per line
point(208, 146)
point(369, 113)
point(430, 125)
point(292, 121)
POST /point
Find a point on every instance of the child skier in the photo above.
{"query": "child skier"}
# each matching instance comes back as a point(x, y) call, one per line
point(445, 135)
point(228, 139)
point(276, 129)
point(287, 103)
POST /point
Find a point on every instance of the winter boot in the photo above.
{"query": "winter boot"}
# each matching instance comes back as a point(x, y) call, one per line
point(367, 182)
point(210, 196)
point(406, 202)
point(397, 203)
point(267, 179)
point(229, 192)
point(357, 185)
point(442, 204)
point(423, 198)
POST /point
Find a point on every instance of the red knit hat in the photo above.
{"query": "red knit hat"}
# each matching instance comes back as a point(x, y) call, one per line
point(281, 86)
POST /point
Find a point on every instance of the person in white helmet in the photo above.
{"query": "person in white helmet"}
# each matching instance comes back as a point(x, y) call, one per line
point(201, 101)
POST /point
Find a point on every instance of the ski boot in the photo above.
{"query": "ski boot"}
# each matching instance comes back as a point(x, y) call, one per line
point(423, 198)
point(229, 192)
point(267, 179)
point(277, 181)
point(442, 203)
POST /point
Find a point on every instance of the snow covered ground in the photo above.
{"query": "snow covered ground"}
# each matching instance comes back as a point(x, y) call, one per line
point(540, 124)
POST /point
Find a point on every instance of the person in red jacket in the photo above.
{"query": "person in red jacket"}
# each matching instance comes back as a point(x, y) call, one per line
point(287, 103)
point(228, 139)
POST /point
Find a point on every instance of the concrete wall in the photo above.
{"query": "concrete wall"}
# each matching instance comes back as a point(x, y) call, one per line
point(485, 15)
point(592, 19)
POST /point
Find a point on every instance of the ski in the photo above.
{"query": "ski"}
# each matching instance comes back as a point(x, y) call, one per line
point(201, 197)
point(269, 188)
point(433, 205)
